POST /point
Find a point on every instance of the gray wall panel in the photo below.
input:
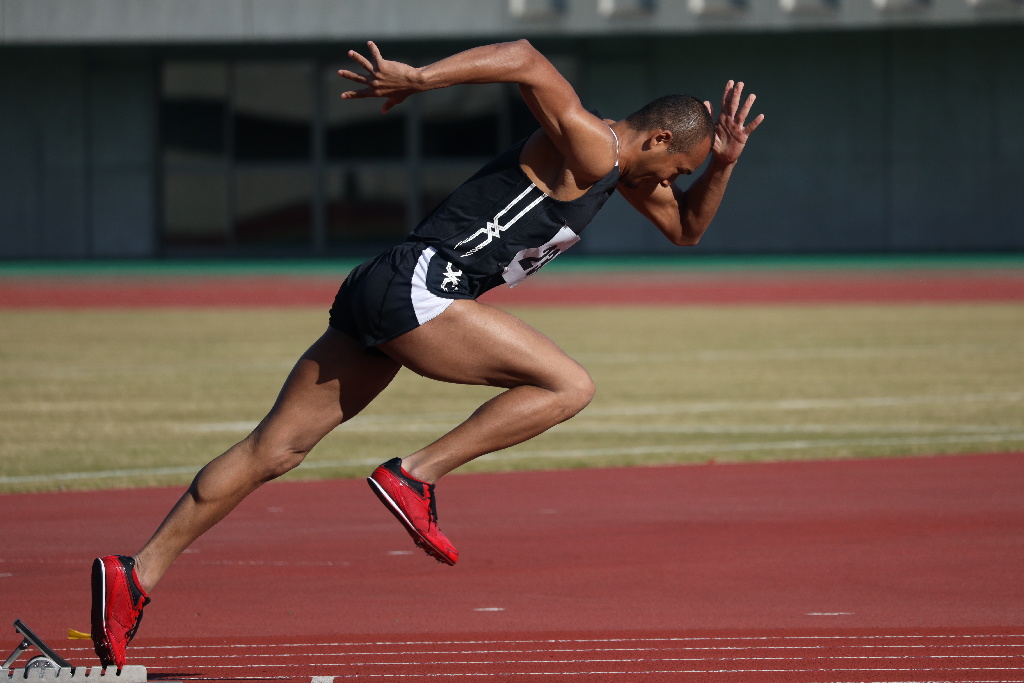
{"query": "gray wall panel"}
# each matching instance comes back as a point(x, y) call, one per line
point(122, 143)
point(813, 177)
point(77, 169)
point(43, 199)
point(904, 140)
point(952, 183)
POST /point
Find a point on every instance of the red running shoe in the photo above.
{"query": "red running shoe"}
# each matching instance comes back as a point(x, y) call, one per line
point(117, 602)
point(412, 502)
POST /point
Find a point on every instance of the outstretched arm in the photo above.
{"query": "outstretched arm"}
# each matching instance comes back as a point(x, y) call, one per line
point(684, 215)
point(582, 138)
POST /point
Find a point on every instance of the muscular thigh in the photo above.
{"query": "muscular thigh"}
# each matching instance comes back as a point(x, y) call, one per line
point(331, 383)
point(473, 343)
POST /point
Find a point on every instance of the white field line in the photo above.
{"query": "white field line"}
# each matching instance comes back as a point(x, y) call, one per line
point(747, 642)
point(393, 422)
point(714, 355)
point(675, 449)
point(696, 407)
point(431, 421)
point(580, 425)
point(691, 449)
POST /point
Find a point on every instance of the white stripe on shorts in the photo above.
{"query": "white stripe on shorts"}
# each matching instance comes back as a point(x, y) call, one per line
point(426, 304)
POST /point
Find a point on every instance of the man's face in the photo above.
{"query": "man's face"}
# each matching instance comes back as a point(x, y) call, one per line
point(658, 166)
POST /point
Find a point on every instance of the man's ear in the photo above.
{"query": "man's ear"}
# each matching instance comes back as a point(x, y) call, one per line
point(662, 137)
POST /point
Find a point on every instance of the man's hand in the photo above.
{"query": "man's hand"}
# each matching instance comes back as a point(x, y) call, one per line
point(394, 81)
point(731, 131)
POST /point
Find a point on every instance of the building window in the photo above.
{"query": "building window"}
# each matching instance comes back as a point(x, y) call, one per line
point(265, 155)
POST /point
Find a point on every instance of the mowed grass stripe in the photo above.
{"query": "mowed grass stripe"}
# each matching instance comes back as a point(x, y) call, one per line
point(90, 399)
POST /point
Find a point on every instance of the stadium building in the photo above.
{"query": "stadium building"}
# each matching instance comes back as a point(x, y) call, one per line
point(166, 128)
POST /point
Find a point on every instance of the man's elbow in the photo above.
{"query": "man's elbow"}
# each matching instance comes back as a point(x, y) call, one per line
point(686, 240)
point(527, 57)
point(522, 49)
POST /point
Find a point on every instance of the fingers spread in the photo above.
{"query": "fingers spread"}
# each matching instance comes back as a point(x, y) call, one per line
point(363, 61)
point(754, 124)
point(726, 96)
point(745, 110)
point(374, 51)
point(352, 76)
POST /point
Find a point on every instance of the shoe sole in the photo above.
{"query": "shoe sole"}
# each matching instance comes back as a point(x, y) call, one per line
point(420, 539)
point(99, 610)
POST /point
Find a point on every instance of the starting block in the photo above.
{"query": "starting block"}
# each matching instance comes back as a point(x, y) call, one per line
point(50, 666)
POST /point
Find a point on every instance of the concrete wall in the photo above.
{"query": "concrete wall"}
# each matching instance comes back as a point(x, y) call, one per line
point(902, 139)
point(873, 141)
point(78, 140)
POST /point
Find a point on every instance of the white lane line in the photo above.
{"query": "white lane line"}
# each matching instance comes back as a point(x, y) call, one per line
point(929, 638)
point(633, 673)
point(563, 652)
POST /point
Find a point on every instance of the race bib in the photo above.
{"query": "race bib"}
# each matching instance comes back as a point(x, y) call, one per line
point(529, 261)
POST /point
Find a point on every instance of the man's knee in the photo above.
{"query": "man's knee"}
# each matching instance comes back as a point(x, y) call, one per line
point(577, 391)
point(274, 456)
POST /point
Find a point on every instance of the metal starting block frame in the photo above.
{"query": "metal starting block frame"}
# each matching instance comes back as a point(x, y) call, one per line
point(50, 666)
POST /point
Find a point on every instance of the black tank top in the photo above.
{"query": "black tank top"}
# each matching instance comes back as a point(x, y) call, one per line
point(499, 227)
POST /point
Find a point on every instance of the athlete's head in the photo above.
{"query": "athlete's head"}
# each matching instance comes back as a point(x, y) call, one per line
point(684, 116)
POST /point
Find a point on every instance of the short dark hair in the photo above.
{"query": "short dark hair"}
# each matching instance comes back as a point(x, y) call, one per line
point(684, 115)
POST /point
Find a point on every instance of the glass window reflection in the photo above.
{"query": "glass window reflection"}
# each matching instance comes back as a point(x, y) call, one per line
point(193, 111)
point(367, 204)
point(355, 129)
point(273, 206)
point(195, 209)
point(272, 111)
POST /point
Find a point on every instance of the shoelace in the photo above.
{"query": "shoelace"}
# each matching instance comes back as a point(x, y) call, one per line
point(134, 629)
point(429, 488)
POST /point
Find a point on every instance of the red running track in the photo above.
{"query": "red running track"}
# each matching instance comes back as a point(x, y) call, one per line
point(612, 288)
point(891, 570)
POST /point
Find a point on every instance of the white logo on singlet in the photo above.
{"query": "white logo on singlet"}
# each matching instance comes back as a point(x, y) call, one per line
point(494, 228)
point(451, 278)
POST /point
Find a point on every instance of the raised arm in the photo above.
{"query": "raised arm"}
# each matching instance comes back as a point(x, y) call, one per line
point(583, 139)
point(684, 215)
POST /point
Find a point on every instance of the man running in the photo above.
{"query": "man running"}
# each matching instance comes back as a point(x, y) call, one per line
point(415, 305)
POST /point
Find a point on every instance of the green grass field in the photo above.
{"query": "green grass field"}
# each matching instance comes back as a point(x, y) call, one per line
point(106, 398)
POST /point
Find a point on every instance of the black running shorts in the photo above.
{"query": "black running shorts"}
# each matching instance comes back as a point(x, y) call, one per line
point(394, 293)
